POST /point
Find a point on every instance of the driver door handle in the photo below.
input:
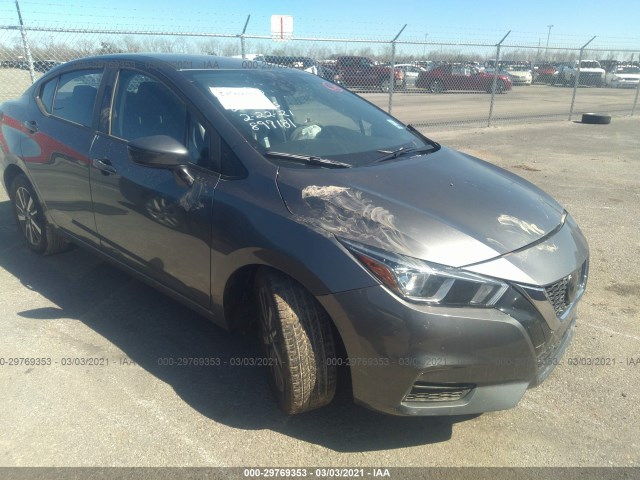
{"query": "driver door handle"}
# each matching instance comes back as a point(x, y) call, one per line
point(104, 165)
point(31, 125)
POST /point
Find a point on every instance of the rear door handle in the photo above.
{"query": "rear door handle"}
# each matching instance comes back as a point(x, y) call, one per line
point(104, 165)
point(31, 125)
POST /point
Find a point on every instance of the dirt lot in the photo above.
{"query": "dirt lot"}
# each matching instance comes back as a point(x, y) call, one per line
point(135, 412)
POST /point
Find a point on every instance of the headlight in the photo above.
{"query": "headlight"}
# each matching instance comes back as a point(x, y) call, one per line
point(424, 282)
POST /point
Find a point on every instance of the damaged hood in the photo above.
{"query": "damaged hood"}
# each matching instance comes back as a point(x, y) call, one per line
point(446, 207)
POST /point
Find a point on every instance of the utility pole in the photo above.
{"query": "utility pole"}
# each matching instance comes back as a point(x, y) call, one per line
point(549, 34)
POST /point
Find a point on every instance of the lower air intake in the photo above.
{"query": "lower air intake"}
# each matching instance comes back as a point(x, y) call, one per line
point(428, 392)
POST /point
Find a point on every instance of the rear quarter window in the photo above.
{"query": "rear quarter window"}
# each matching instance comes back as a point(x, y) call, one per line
point(47, 92)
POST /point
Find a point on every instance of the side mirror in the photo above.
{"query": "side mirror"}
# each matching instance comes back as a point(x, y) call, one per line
point(159, 151)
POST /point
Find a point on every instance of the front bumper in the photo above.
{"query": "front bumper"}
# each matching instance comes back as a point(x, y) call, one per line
point(521, 80)
point(625, 83)
point(398, 350)
point(591, 79)
point(409, 358)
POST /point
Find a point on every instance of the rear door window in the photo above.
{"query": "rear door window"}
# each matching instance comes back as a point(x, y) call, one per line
point(76, 96)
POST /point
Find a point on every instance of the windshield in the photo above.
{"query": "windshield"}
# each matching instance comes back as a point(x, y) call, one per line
point(590, 64)
point(287, 111)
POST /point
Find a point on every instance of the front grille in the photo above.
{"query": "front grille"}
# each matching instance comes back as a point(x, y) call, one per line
point(424, 392)
point(590, 77)
point(563, 293)
point(557, 295)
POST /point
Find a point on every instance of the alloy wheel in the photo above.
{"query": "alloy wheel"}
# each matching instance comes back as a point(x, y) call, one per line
point(28, 216)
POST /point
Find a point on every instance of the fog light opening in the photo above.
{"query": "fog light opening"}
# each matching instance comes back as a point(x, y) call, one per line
point(431, 392)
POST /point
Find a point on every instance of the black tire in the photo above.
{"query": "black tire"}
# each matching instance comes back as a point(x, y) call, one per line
point(39, 235)
point(385, 86)
point(500, 86)
point(298, 342)
point(596, 119)
point(436, 86)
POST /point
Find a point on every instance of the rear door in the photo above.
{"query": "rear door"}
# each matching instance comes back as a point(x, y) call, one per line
point(62, 128)
point(153, 219)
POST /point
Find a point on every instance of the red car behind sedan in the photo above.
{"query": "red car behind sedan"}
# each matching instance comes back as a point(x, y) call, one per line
point(460, 77)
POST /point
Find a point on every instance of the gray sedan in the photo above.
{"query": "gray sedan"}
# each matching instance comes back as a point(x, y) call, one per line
point(274, 200)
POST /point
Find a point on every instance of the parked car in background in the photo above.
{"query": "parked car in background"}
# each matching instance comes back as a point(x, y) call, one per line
point(543, 73)
point(519, 74)
point(271, 200)
point(591, 74)
point(426, 64)
point(306, 64)
point(253, 57)
point(623, 76)
point(41, 66)
point(411, 73)
point(461, 77)
point(362, 72)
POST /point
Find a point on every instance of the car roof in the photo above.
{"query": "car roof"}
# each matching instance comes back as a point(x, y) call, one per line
point(169, 60)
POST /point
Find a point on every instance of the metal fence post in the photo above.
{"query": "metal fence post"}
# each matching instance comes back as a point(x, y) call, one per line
point(635, 100)
point(25, 45)
point(495, 78)
point(242, 45)
point(576, 80)
point(392, 74)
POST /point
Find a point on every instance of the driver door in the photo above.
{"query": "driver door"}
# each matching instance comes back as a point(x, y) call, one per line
point(152, 219)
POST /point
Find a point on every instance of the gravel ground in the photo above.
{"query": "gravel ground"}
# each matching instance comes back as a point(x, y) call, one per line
point(135, 412)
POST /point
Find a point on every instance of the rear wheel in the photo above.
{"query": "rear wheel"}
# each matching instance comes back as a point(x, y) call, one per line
point(298, 343)
point(39, 235)
point(436, 86)
point(385, 86)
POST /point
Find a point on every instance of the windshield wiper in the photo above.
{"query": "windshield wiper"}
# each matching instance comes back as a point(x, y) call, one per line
point(430, 147)
point(403, 151)
point(308, 159)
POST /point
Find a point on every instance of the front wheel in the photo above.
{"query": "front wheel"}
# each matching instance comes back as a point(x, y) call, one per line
point(500, 87)
point(298, 342)
point(39, 235)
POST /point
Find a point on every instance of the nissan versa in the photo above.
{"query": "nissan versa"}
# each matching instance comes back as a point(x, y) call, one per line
point(262, 195)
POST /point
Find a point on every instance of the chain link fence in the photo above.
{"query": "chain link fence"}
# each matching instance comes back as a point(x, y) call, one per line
point(422, 82)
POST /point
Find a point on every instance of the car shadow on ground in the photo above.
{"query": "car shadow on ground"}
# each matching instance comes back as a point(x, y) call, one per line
point(149, 327)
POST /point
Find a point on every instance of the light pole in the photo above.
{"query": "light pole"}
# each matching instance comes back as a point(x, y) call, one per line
point(424, 48)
